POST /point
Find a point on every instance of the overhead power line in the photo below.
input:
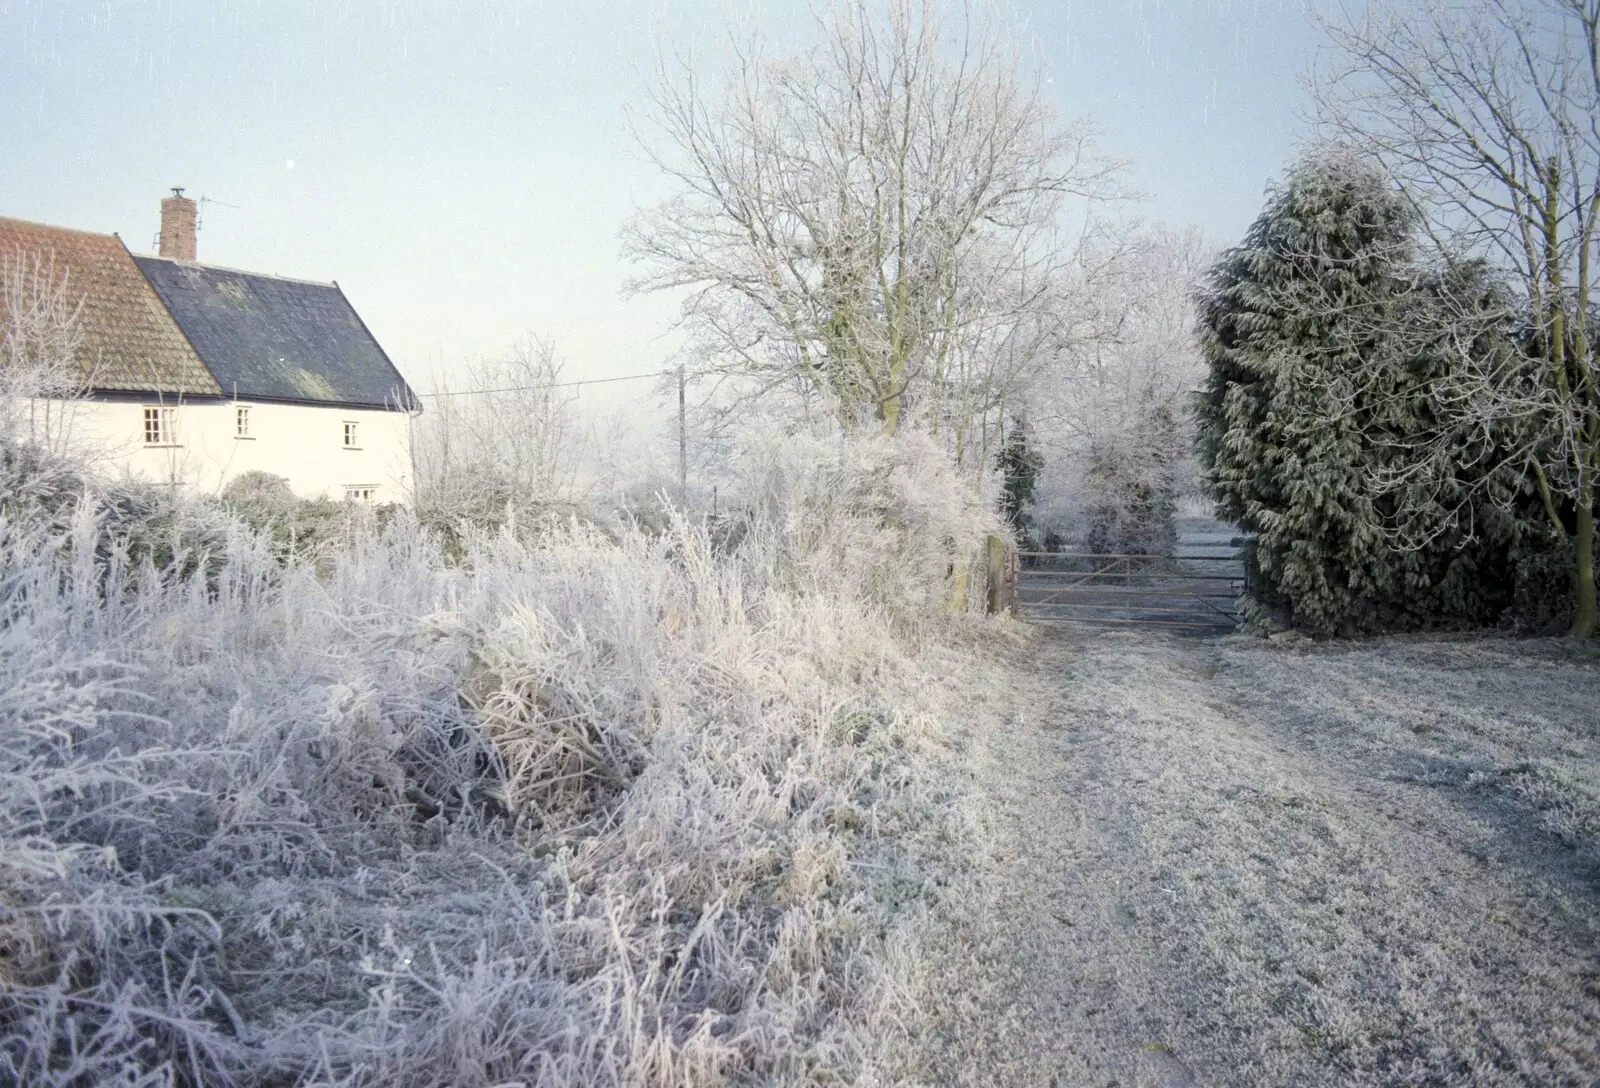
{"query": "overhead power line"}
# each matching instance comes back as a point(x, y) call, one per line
point(550, 385)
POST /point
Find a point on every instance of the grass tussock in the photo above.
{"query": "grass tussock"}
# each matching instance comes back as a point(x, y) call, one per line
point(579, 806)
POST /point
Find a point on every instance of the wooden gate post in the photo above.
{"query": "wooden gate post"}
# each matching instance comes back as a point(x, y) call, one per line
point(1013, 574)
point(996, 564)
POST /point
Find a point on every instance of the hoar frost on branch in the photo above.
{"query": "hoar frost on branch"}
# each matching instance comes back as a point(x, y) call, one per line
point(1488, 113)
point(1111, 405)
point(871, 224)
point(571, 808)
point(41, 346)
point(505, 439)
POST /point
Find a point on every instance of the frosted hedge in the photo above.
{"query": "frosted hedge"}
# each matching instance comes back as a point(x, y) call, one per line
point(585, 806)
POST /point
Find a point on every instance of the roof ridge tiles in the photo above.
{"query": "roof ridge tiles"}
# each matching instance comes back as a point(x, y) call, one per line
point(51, 226)
point(207, 266)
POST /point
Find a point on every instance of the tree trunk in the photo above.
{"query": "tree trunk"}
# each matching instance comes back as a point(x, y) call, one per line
point(1583, 612)
point(891, 416)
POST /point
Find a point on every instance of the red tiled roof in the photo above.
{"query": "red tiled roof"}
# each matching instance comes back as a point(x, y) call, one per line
point(130, 341)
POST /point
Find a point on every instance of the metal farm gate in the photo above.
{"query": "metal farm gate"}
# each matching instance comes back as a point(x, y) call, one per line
point(1194, 591)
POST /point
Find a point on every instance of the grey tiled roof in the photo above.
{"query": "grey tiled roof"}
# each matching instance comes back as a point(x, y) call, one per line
point(268, 337)
point(129, 341)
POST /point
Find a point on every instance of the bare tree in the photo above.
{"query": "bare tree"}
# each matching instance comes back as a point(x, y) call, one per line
point(1488, 111)
point(505, 436)
point(43, 374)
point(872, 223)
point(1110, 411)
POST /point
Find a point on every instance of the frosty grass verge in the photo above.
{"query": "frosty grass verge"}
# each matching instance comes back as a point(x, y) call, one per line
point(585, 807)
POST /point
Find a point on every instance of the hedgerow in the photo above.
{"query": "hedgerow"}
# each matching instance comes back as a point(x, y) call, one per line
point(573, 807)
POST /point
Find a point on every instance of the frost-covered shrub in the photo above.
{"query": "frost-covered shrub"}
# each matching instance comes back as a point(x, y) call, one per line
point(294, 525)
point(482, 497)
point(1543, 598)
point(153, 530)
point(876, 520)
point(577, 809)
point(1018, 467)
point(1130, 511)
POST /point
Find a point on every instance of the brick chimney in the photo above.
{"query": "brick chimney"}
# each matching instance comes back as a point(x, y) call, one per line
point(178, 214)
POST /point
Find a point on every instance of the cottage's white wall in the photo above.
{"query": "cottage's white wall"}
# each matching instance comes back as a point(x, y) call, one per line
point(303, 444)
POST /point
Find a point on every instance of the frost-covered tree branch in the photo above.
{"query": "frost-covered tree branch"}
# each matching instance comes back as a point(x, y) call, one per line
point(42, 368)
point(1111, 409)
point(1488, 112)
point(872, 223)
point(506, 435)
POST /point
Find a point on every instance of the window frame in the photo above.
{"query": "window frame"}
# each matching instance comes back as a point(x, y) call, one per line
point(241, 423)
point(160, 426)
point(363, 493)
point(352, 434)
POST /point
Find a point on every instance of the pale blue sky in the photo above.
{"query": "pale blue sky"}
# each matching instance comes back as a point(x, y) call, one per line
point(462, 167)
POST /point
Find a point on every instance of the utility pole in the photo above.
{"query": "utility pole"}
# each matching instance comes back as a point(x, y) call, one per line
point(683, 444)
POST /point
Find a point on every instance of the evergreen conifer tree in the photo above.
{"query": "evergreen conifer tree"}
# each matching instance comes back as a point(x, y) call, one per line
point(1019, 467)
point(1316, 379)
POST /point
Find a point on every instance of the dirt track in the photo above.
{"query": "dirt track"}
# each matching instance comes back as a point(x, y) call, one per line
point(1233, 862)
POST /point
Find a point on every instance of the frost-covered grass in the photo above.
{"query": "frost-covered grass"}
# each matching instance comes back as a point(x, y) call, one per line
point(587, 806)
point(1239, 862)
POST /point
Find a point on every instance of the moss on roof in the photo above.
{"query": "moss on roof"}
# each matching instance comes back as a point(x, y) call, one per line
point(274, 338)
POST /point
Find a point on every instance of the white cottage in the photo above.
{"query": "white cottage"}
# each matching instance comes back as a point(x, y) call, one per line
point(198, 373)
